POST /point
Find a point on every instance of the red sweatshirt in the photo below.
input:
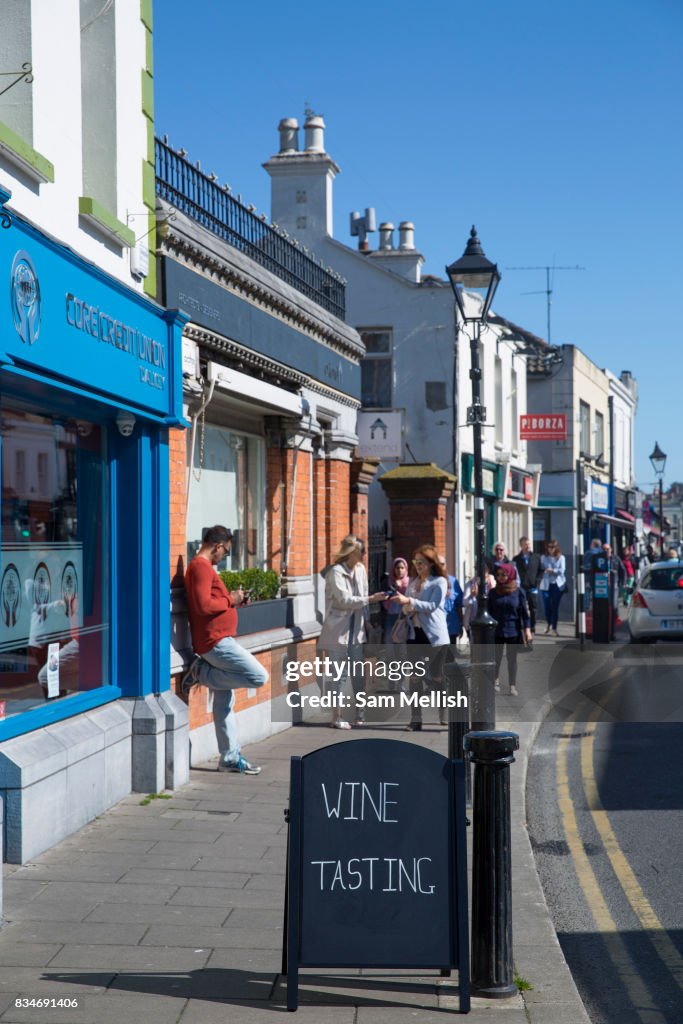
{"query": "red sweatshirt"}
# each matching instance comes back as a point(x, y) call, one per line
point(210, 609)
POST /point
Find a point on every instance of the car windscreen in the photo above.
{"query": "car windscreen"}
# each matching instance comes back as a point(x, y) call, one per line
point(670, 578)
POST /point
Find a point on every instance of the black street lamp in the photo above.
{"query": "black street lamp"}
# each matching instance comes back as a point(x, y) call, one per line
point(474, 280)
point(658, 460)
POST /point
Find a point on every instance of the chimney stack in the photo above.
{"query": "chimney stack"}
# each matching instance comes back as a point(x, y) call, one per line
point(406, 232)
point(289, 135)
point(386, 236)
point(315, 133)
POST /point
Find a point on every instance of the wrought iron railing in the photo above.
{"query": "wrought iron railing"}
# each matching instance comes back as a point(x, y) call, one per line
point(200, 197)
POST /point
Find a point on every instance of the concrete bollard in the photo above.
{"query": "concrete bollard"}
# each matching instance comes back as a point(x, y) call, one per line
point(492, 753)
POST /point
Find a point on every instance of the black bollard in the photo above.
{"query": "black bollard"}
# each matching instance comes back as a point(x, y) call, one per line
point(492, 753)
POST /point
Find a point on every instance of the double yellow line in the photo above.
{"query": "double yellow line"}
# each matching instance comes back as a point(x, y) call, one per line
point(626, 967)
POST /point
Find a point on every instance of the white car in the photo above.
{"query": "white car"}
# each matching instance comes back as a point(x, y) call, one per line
point(656, 607)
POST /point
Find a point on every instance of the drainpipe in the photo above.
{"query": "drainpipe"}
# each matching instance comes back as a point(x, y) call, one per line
point(193, 436)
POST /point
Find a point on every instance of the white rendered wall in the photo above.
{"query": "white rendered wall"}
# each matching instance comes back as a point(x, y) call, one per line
point(56, 58)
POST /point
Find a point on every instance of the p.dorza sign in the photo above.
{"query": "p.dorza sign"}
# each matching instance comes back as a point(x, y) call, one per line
point(380, 435)
point(538, 426)
point(377, 871)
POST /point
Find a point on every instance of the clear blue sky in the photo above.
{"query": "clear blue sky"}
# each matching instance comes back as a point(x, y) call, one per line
point(555, 127)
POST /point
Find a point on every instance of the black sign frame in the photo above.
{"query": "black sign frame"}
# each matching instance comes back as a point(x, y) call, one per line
point(305, 908)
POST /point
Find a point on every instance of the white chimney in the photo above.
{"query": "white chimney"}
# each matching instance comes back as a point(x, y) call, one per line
point(315, 134)
point(289, 135)
point(406, 233)
point(386, 236)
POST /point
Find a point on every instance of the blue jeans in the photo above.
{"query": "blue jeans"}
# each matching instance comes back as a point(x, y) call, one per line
point(551, 603)
point(225, 667)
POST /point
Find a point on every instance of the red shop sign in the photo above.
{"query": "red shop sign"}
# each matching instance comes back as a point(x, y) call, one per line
point(541, 426)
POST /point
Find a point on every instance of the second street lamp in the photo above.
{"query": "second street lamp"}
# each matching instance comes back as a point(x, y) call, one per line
point(658, 460)
point(474, 280)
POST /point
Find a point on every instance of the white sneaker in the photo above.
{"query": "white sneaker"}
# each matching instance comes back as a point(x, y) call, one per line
point(496, 686)
point(340, 724)
point(514, 692)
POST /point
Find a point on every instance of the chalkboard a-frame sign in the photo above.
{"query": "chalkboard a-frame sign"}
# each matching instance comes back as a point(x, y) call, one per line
point(376, 862)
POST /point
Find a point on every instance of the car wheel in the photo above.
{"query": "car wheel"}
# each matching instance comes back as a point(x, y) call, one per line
point(641, 639)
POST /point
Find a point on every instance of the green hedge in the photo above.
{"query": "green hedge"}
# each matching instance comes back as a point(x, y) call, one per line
point(264, 584)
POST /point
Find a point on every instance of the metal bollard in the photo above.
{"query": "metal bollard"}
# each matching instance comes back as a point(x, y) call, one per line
point(492, 753)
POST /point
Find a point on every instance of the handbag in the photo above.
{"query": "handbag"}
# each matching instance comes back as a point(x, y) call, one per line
point(400, 631)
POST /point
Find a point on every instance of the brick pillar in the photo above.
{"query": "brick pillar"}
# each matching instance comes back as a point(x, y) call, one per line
point(362, 474)
point(418, 494)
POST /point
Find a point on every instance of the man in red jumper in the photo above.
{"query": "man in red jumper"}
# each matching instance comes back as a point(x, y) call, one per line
point(220, 662)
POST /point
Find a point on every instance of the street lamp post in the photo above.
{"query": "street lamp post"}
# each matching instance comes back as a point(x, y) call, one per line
point(475, 275)
point(658, 460)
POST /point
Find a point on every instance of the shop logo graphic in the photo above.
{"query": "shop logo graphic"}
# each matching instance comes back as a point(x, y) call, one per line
point(10, 595)
point(25, 298)
point(69, 589)
point(42, 590)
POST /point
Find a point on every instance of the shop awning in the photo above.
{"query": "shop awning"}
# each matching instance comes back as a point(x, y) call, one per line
point(626, 515)
point(613, 521)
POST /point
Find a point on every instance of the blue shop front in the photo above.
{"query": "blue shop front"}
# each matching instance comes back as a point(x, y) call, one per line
point(90, 384)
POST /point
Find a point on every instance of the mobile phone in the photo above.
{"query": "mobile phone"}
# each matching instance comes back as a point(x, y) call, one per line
point(391, 592)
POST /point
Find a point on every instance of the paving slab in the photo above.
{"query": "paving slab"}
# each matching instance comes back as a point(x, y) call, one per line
point(146, 913)
point(180, 877)
point(31, 981)
point(148, 959)
point(58, 910)
point(62, 932)
point(108, 1008)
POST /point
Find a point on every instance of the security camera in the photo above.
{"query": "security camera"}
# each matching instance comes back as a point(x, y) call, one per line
point(125, 421)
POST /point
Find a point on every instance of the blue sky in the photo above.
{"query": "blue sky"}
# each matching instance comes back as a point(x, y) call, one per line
point(554, 127)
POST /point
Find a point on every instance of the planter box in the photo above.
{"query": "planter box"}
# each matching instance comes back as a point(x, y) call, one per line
point(264, 615)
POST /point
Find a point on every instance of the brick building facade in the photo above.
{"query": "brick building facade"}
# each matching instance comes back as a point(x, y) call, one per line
point(271, 388)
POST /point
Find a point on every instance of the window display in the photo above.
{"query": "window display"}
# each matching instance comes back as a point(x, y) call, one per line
point(227, 487)
point(54, 615)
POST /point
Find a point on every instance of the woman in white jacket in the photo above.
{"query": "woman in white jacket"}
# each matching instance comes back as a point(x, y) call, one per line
point(346, 601)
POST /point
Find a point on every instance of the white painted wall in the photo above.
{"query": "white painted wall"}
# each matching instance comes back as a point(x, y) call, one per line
point(56, 58)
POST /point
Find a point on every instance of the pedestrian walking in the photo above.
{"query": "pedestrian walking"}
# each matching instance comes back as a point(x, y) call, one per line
point(424, 606)
point(397, 580)
point(499, 557)
point(530, 570)
point(617, 578)
point(220, 662)
point(453, 604)
point(507, 604)
point(553, 583)
point(344, 628)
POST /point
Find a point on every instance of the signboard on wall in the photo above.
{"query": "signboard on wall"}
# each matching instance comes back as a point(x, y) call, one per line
point(597, 497)
point(540, 426)
point(380, 434)
point(39, 589)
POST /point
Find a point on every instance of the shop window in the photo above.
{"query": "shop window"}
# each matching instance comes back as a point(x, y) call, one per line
point(585, 428)
point(377, 370)
point(514, 411)
point(54, 610)
point(599, 436)
point(227, 487)
point(498, 398)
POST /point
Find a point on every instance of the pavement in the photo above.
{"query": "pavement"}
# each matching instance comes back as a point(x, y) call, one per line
point(171, 909)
